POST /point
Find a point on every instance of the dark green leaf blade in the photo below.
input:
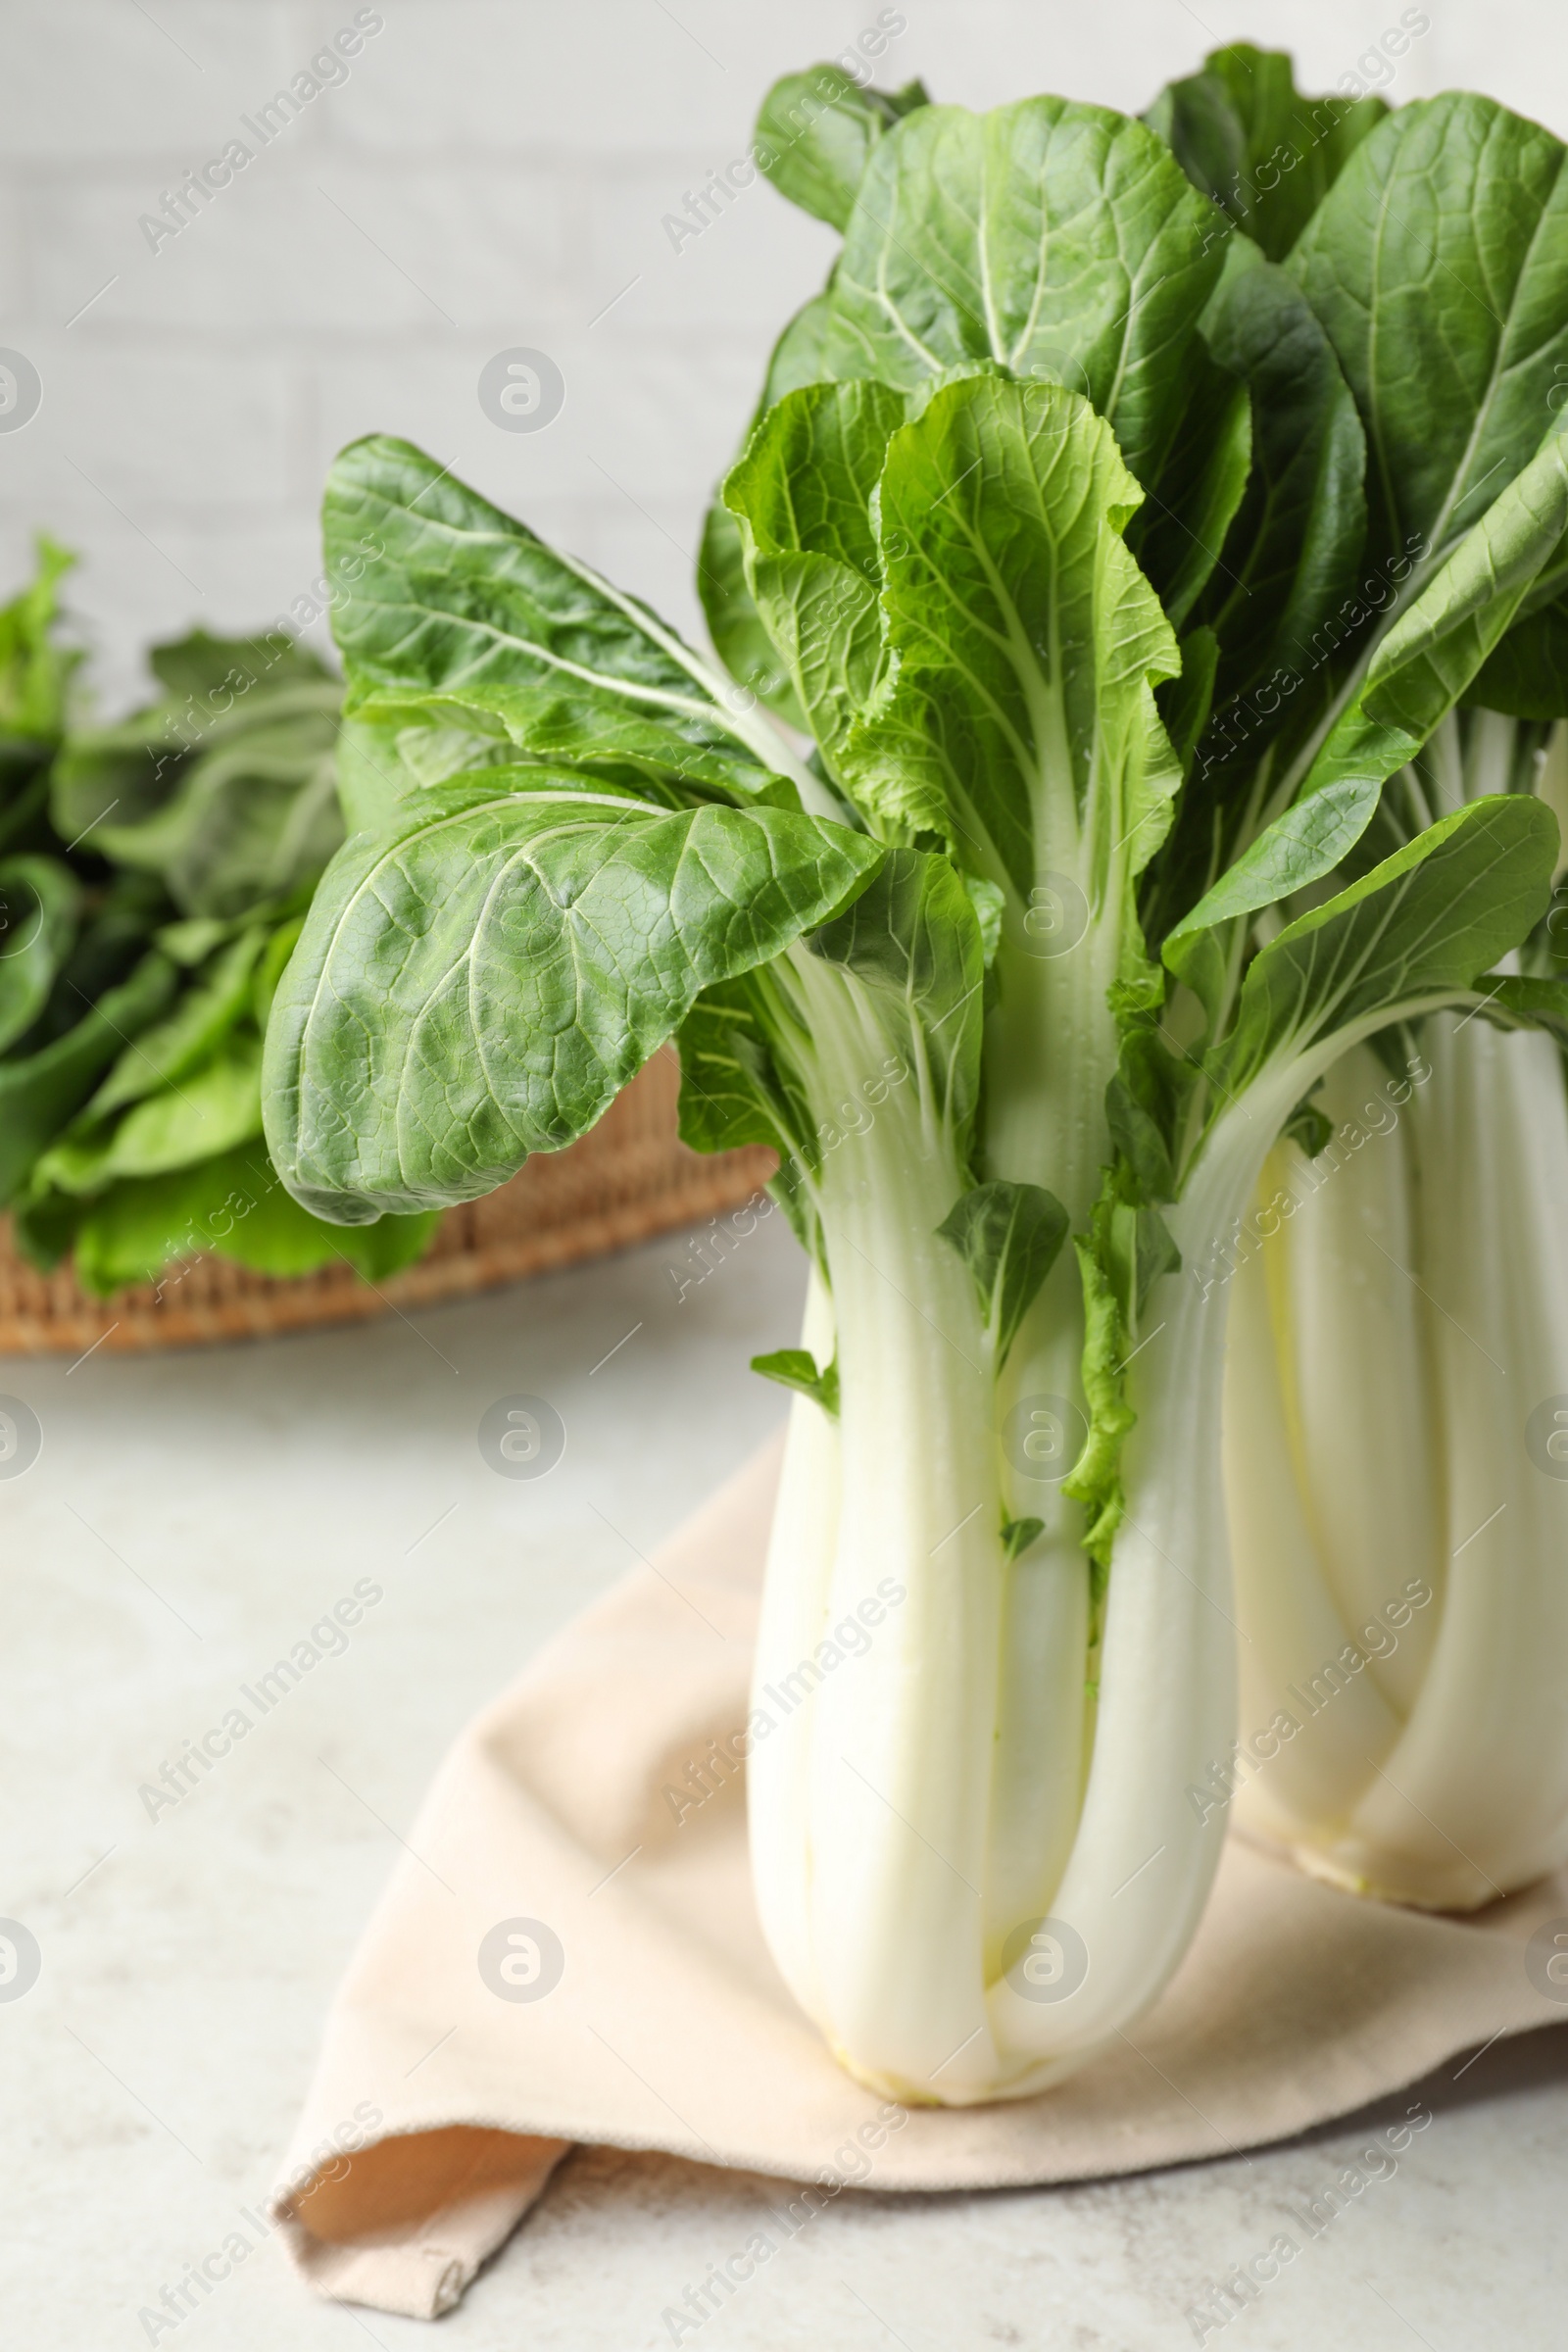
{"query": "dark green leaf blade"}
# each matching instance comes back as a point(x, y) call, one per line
point(1526, 675)
point(1179, 537)
point(795, 1368)
point(1017, 1535)
point(1247, 136)
point(232, 1205)
point(464, 607)
point(1510, 1000)
point(1009, 1237)
point(40, 1093)
point(730, 1093)
point(1302, 846)
point(480, 983)
point(1425, 663)
point(815, 132)
point(40, 906)
point(228, 796)
point(1061, 241)
point(1407, 935)
point(167, 1053)
point(1439, 265)
point(212, 1109)
point(212, 671)
point(734, 623)
point(1294, 550)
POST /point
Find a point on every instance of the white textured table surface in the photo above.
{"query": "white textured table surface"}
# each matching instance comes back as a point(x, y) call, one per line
point(191, 1518)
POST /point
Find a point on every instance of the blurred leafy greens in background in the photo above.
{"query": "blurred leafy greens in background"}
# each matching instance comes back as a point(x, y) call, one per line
point(153, 878)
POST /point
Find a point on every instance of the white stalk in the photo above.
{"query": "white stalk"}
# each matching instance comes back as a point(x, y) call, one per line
point(1143, 1855)
point(1052, 1048)
point(1328, 1366)
point(794, 1615)
point(1356, 1378)
point(1046, 1907)
point(885, 1739)
point(1393, 1341)
point(1315, 1722)
point(1051, 1051)
point(1473, 1801)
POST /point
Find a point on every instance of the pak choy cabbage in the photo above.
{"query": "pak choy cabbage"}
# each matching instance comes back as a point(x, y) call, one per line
point(1056, 533)
point(1396, 1410)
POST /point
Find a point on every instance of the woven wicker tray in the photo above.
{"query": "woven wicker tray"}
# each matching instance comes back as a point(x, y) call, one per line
point(628, 1179)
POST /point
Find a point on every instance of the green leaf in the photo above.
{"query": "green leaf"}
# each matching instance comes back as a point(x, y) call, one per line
point(464, 610)
point(1510, 1002)
point(1017, 1535)
point(1139, 1132)
point(24, 796)
point(1095, 1479)
point(127, 914)
point(253, 820)
point(802, 495)
point(1127, 1249)
point(989, 902)
point(1526, 675)
point(815, 133)
point(271, 966)
point(1063, 241)
point(1186, 701)
point(1439, 265)
point(794, 1368)
point(167, 1053)
point(192, 939)
point(43, 1230)
point(374, 1251)
point(40, 907)
point(234, 1204)
point(1428, 658)
point(1294, 552)
point(123, 923)
point(126, 771)
point(35, 670)
point(1418, 927)
point(38, 1095)
point(1009, 1236)
point(1199, 487)
point(384, 762)
point(734, 623)
point(1276, 609)
point(1436, 649)
point(1137, 1247)
point(214, 672)
point(731, 1092)
point(1305, 842)
point(1246, 135)
point(209, 1111)
point(1309, 1127)
point(821, 346)
point(913, 939)
point(1020, 720)
point(482, 982)
point(230, 807)
point(214, 691)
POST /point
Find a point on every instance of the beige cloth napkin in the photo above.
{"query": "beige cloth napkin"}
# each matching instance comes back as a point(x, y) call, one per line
point(451, 2084)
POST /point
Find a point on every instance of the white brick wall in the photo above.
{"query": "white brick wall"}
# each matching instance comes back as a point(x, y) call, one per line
point(492, 172)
